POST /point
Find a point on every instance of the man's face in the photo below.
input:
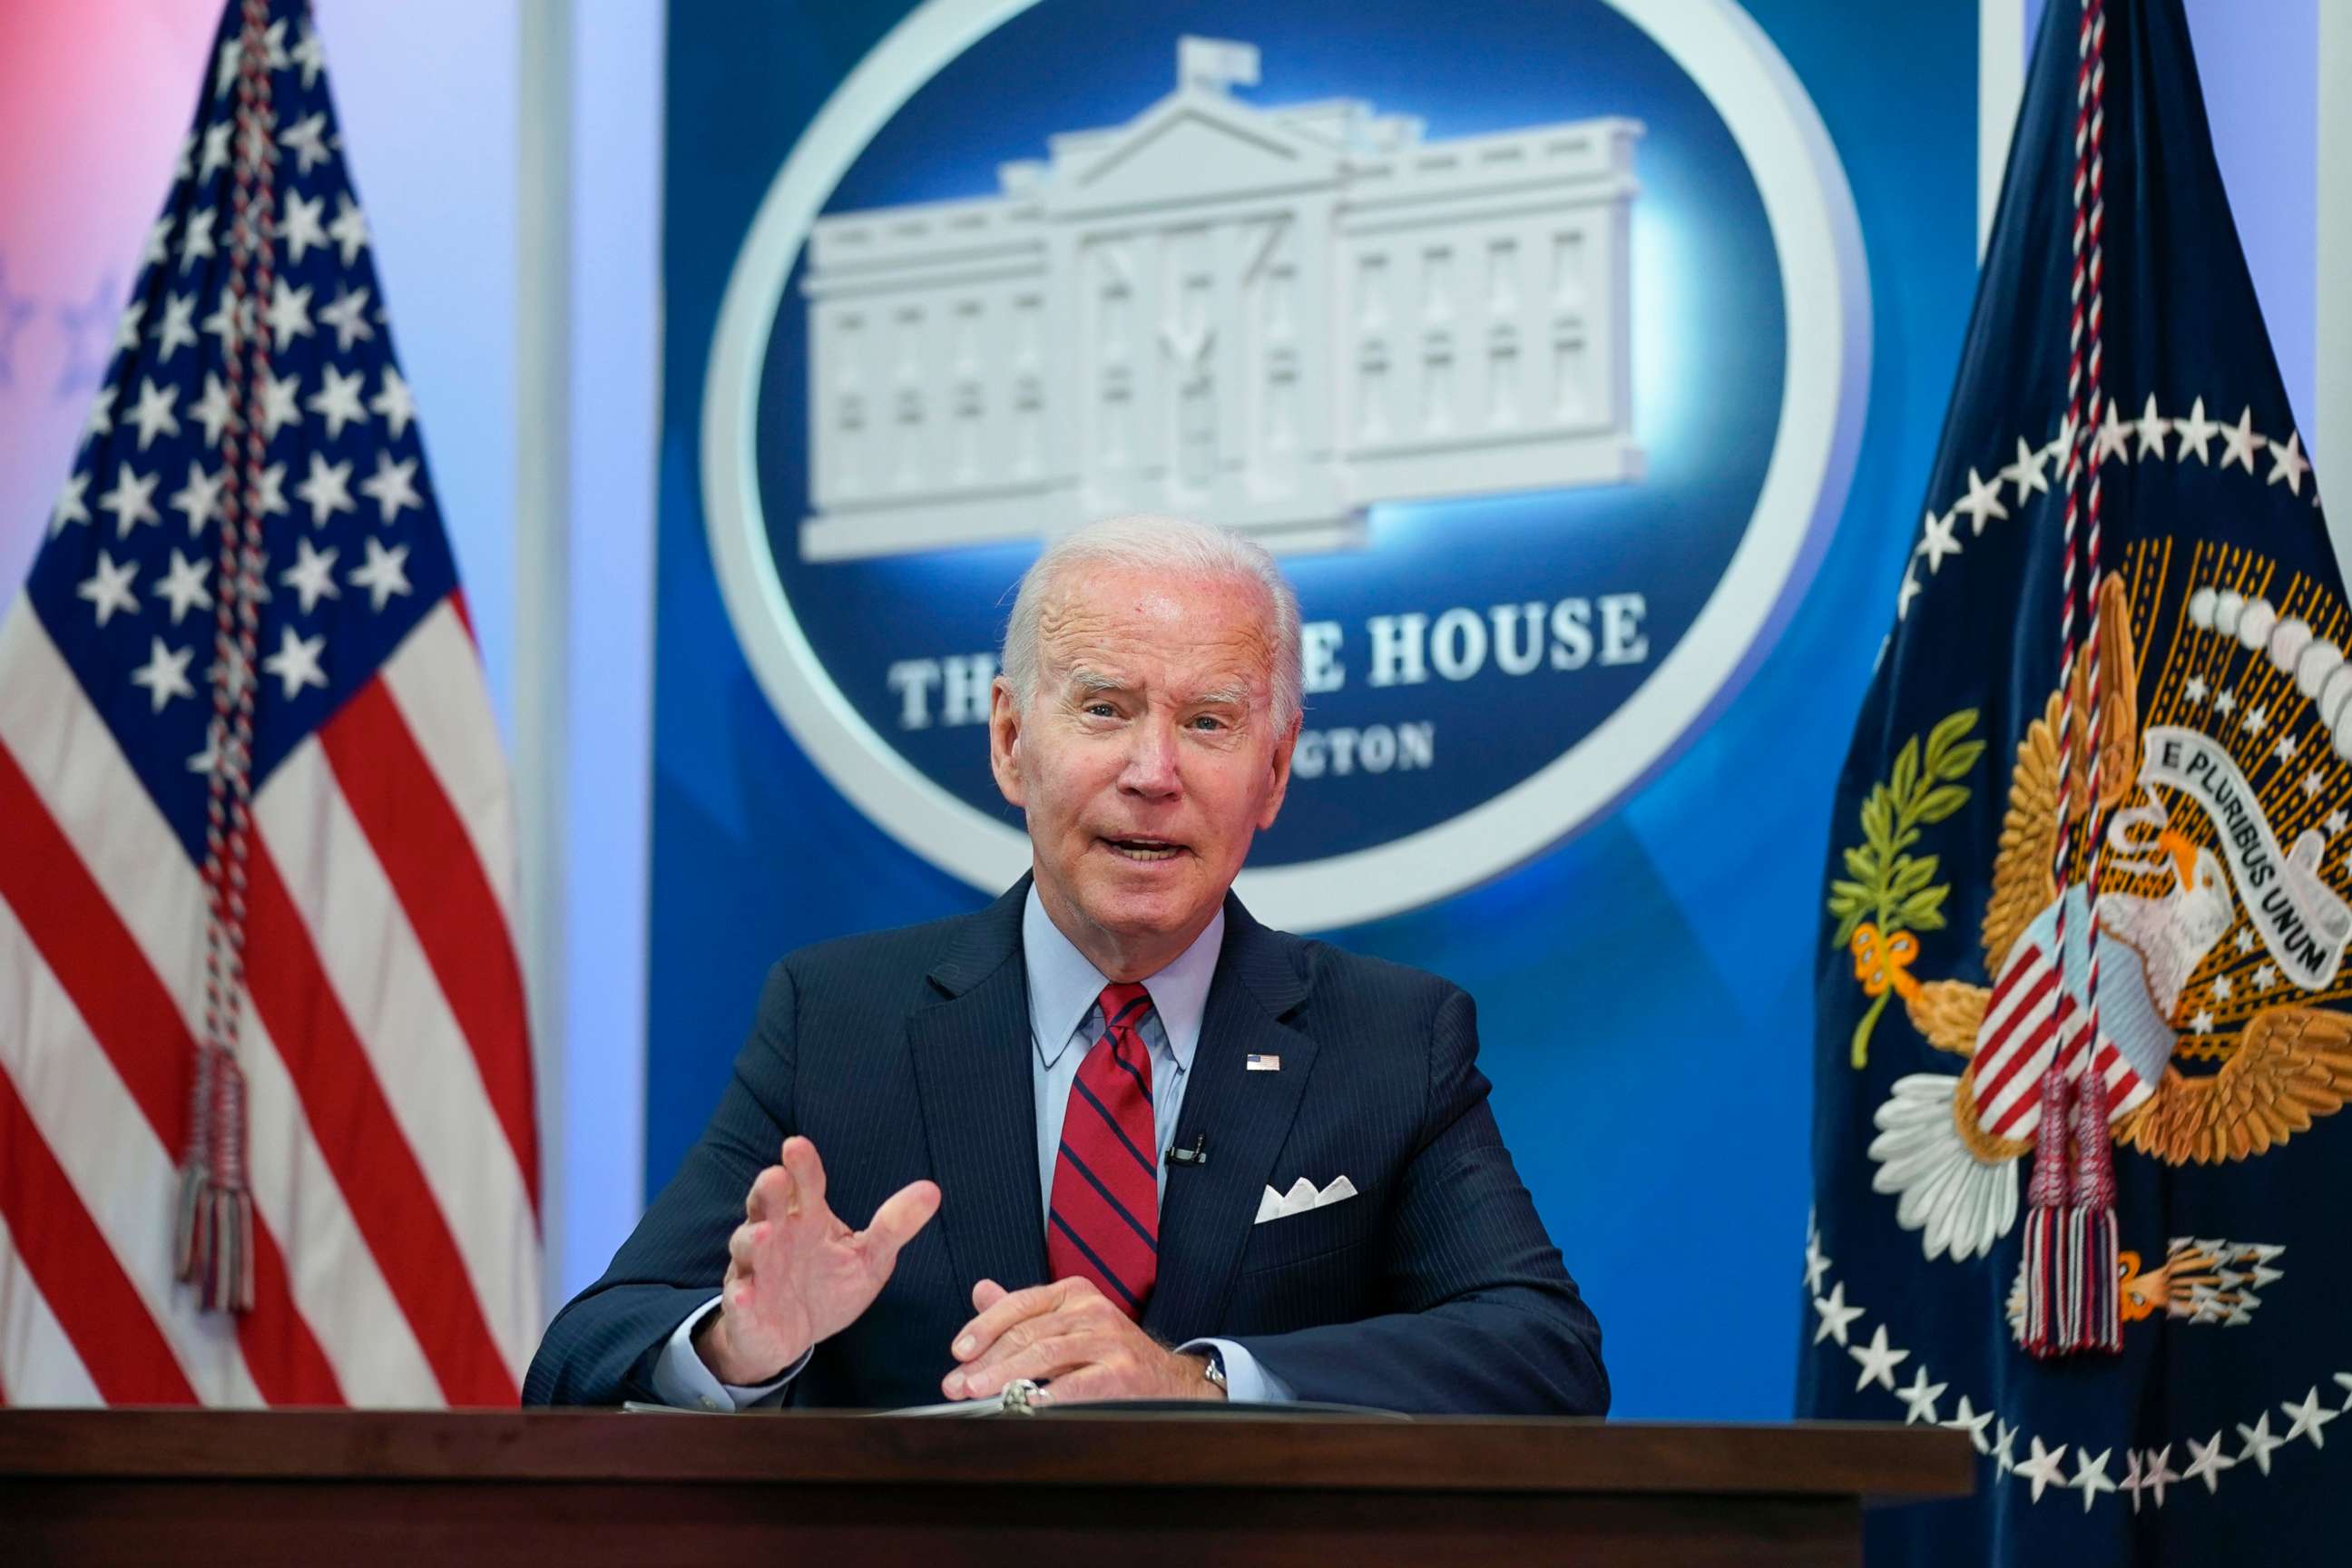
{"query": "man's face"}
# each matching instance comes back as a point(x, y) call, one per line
point(1148, 760)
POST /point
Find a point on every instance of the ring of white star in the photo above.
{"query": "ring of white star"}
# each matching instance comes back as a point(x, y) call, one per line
point(2116, 437)
point(2145, 1469)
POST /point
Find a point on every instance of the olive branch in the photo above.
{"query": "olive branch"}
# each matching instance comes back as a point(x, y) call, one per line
point(1885, 891)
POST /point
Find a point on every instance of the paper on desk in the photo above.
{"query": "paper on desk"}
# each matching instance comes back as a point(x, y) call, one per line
point(1014, 1401)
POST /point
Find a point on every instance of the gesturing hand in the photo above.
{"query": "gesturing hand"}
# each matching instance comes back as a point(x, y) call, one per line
point(1069, 1331)
point(795, 1273)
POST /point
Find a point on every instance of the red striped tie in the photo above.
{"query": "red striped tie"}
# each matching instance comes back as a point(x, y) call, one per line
point(1105, 1220)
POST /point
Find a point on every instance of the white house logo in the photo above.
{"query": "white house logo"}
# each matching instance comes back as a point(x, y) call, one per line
point(1548, 415)
point(1270, 318)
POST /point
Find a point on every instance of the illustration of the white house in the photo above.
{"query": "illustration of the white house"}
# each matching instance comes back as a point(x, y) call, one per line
point(1267, 317)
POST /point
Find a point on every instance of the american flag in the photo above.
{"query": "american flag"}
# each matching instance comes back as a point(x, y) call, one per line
point(365, 1070)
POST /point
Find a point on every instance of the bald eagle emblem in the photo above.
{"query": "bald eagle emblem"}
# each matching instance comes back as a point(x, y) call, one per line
point(2224, 763)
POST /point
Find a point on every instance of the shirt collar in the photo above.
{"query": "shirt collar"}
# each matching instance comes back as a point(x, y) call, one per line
point(1064, 985)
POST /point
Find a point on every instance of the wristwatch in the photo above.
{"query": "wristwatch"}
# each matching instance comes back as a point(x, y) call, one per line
point(1213, 1367)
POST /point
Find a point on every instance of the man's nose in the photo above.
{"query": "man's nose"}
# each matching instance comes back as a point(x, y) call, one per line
point(1151, 768)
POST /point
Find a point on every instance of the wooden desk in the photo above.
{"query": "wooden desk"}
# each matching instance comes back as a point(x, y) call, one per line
point(554, 1489)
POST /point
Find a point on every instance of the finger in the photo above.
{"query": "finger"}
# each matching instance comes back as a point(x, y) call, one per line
point(1079, 1312)
point(987, 1294)
point(743, 1245)
point(768, 1190)
point(1052, 1357)
point(976, 1336)
point(902, 1214)
point(1084, 1385)
point(1016, 1338)
point(1042, 1357)
point(808, 1176)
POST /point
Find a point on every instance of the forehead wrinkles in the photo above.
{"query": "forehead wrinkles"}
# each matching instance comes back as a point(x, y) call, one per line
point(1212, 634)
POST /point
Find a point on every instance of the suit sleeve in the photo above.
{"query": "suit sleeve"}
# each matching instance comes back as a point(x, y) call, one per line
point(603, 1347)
point(1481, 1317)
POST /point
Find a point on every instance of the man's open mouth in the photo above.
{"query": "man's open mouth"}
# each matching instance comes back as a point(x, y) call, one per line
point(1144, 849)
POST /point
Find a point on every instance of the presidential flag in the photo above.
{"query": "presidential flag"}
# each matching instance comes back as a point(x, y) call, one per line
point(266, 1118)
point(2082, 1000)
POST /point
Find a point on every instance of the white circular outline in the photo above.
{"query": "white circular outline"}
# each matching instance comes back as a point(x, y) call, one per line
point(1825, 288)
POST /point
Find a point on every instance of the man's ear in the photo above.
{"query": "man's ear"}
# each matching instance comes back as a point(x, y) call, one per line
point(1281, 766)
point(1005, 741)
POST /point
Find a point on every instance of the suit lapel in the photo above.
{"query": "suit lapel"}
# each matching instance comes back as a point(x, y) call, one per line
point(1206, 1213)
point(972, 1052)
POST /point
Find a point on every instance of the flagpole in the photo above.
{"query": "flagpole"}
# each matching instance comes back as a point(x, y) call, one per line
point(2334, 155)
point(2000, 85)
point(543, 561)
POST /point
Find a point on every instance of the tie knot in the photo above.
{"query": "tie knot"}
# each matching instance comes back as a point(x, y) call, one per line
point(1123, 1002)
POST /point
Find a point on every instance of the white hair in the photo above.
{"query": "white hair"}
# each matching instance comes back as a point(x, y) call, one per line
point(1144, 541)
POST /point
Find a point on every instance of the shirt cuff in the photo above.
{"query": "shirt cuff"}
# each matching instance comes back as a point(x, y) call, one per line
point(682, 1382)
point(1247, 1383)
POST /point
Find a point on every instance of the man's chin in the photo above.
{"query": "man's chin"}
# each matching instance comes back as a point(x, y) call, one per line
point(1139, 913)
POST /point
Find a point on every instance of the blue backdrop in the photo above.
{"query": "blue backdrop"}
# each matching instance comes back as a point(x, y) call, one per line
point(1644, 986)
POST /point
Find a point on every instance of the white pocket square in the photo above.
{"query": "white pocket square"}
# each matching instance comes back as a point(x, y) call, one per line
point(1301, 1197)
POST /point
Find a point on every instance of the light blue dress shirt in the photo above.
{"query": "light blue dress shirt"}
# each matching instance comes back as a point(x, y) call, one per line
point(1064, 1020)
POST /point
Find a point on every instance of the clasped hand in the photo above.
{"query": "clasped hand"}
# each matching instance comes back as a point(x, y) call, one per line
point(797, 1275)
point(1069, 1333)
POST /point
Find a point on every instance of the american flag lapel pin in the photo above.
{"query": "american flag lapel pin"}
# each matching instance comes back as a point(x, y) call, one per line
point(1257, 1063)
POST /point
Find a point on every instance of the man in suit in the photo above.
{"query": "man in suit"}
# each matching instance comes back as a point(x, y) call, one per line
point(1093, 1084)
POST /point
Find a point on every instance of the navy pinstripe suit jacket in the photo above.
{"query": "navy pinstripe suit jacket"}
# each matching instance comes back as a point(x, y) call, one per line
point(906, 1054)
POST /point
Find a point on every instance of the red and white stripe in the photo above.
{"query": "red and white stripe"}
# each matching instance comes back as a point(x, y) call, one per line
point(2018, 1042)
point(393, 1154)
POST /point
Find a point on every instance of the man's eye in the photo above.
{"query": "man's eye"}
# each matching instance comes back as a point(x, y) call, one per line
point(1207, 722)
point(1103, 709)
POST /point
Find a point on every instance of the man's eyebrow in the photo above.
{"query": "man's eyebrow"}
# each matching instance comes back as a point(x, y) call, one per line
point(1085, 682)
